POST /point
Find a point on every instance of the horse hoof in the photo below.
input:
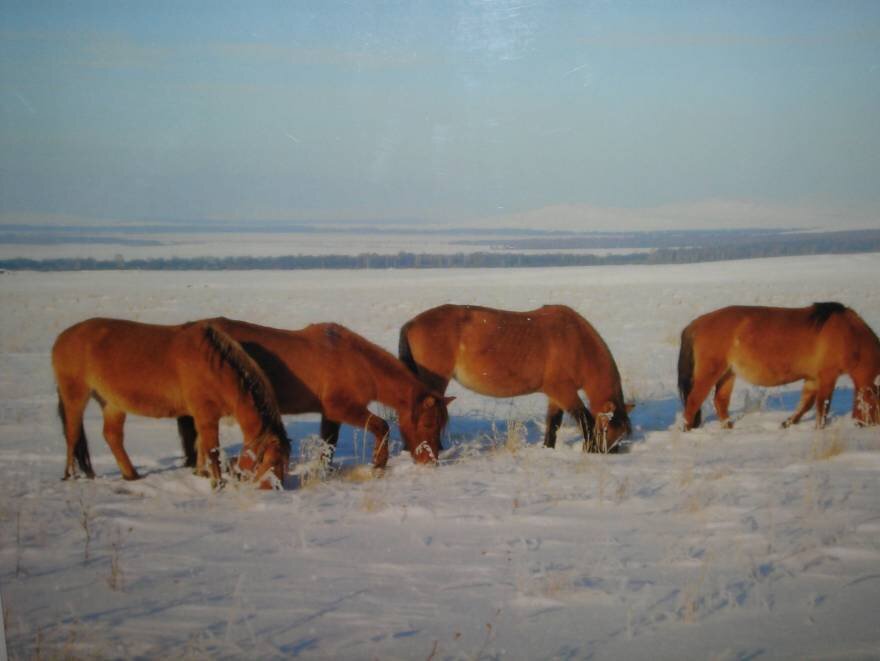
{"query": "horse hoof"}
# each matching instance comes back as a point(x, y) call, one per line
point(217, 484)
point(131, 478)
point(726, 424)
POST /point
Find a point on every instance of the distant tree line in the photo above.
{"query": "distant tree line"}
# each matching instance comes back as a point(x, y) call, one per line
point(778, 246)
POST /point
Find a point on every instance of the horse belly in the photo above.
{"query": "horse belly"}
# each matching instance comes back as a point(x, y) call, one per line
point(768, 368)
point(492, 383)
point(142, 398)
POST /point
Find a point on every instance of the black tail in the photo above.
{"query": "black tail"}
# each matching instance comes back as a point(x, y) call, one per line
point(81, 449)
point(686, 372)
point(186, 428)
point(404, 352)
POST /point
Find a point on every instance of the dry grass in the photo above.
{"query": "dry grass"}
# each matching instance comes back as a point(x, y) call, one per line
point(373, 499)
point(691, 601)
point(828, 445)
point(314, 462)
point(359, 474)
point(116, 579)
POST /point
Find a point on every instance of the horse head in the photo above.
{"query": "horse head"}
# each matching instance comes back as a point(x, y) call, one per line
point(422, 425)
point(866, 404)
point(268, 464)
point(612, 425)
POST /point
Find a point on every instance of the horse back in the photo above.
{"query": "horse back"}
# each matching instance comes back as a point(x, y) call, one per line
point(495, 352)
point(322, 360)
point(130, 365)
point(772, 346)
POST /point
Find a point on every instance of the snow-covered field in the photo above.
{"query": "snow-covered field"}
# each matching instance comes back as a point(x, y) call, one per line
point(752, 543)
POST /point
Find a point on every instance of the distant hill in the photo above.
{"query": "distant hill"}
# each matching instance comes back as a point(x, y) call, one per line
point(664, 248)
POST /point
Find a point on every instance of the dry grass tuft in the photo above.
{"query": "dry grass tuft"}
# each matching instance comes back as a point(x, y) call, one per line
point(691, 599)
point(826, 446)
point(373, 500)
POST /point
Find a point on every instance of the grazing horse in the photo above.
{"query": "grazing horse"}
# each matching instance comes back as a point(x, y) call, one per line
point(770, 346)
point(166, 371)
point(328, 369)
point(504, 354)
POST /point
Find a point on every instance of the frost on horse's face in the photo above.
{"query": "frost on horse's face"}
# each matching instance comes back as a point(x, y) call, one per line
point(421, 430)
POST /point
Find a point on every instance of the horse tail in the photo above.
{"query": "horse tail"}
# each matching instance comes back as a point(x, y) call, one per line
point(186, 429)
point(686, 371)
point(404, 350)
point(81, 449)
point(252, 381)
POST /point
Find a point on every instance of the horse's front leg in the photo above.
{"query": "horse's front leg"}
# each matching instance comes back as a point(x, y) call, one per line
point(186, 429)
point(554, 421)
point(565, 397)
point(330, 435)
point(361, 417)
point(588, 427)
point(824, 391)
point(207, 428)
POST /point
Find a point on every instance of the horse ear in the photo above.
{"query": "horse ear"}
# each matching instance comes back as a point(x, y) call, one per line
point(629, 406)
point(448, 400)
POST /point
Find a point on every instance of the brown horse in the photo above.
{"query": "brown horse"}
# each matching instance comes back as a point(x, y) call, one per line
point(166, 371)
point(504, 354)
point(773, 346)
point(328, 369)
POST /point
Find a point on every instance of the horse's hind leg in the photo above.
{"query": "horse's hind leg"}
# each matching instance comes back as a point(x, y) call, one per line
point(330, 435)
point(808, 398)
point(114, 419)
point(72, 401)
point(704, 379)
point(554, 421)
point(723, 390)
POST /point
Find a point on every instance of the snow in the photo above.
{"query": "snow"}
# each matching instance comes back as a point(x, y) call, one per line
point(755, 542)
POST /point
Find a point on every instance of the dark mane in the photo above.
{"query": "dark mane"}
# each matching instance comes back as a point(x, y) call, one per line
point(821, 312)
point(251, 380)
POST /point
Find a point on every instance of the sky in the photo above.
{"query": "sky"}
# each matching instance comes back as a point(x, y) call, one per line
point(452, 113)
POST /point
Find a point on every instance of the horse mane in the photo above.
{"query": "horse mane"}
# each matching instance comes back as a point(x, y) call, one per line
point(251, 380)
point(821, 312)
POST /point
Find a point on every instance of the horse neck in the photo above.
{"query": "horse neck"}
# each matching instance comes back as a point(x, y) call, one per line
point(869, 350)
point(395, 385)
point(601, 380)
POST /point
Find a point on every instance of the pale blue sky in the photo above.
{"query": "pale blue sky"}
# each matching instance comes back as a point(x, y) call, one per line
point(446, 111)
